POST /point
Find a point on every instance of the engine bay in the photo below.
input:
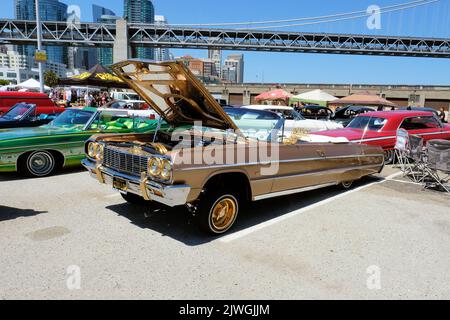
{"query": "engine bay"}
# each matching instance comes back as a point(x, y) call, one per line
point(162, 142)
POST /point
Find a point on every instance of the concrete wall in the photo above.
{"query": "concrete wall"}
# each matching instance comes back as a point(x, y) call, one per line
point(244, 94)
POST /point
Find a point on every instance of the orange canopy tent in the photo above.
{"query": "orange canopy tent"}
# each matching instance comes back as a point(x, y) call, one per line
point(274, 95)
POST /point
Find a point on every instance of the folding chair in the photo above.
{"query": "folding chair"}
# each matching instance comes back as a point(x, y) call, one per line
point(438, 165)
point(416, 155)
point(400, 149)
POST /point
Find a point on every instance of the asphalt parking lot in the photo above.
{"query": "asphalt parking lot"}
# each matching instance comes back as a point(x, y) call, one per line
point(69, 237)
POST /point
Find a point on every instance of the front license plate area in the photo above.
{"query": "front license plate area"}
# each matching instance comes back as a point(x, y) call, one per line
point(120, 184)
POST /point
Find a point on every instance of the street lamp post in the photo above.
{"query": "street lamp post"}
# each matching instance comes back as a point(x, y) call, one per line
point(39, 40)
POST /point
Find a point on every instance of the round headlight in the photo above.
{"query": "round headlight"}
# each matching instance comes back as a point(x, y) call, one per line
point(166, 169)
point(99, 152)
point(155, 167)
point(92, 147)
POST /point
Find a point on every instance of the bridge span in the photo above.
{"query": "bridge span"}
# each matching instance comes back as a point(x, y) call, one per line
point(123, 36)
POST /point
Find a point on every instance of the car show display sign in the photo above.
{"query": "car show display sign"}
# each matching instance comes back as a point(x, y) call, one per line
point(40, 56)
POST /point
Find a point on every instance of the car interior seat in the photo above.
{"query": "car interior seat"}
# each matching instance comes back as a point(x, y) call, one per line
point(120, 123)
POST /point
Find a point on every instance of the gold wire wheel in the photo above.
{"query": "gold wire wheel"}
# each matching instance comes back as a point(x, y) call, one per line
point(223, 213)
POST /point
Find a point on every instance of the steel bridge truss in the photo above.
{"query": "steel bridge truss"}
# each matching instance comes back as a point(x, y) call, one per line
point(58, 33)
point(146, 35)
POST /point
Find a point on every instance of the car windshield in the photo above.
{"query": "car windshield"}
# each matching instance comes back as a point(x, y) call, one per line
point(255, 124)
point(72, 117)
point(116, 105)
point(371, 123)
point(288, 114)
point(351, 112)
point(129, 96)
point(315, 111)
point(132, 96)
point(17, 112)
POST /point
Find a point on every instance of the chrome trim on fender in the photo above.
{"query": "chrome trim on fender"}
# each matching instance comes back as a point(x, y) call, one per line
point(99, 173)
point(395, 137)
point(373, 139)
point(428, 133)
point(292, 191)
point(281, 161)
point(328, 171)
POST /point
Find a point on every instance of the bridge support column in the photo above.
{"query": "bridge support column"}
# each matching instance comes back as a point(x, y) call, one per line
point(246, 99)
point(422, 100)
point(226, 95)
point(121, 50)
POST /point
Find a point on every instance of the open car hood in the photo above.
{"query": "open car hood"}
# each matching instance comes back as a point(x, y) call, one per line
point(174, 93)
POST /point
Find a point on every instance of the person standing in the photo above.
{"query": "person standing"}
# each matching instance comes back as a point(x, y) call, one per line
point(74, 97)
point(68, 98)
point(442, 114)
point(88, 99)
point(103, 98)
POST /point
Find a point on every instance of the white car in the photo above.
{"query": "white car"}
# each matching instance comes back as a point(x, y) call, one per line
point(129, 97)
point(294, 120)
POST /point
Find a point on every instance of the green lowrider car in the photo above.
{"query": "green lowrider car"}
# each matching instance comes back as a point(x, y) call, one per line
point(40, 151)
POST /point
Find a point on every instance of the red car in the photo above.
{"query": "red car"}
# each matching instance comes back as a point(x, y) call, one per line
point(379, 128)
point(43, 103)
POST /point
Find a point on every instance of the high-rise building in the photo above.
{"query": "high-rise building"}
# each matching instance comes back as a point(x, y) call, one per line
point(50, 10)
point(140, 11)
point(13, 59)
point(4, 49)
point(161, 54)
point(236, 61)
point(196, 66)
point(216, 56)
point(229, 73)
point(204, 69)
point(84, 58)
point(98, 12)
point(209, 68)
point(15, 67)
point(104, 15)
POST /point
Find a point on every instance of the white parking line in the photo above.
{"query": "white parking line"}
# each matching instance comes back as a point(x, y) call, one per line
point(409, 182)
point(245, 232)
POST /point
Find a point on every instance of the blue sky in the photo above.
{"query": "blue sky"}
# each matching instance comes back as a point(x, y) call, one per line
point(429, 21)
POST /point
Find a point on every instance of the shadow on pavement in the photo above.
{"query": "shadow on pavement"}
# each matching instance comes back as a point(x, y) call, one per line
point(180, 225)
point(15, 176)
point(9, 213)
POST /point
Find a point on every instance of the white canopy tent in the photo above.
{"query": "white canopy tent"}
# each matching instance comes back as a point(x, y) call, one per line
point(31, 84)
point(315, 96)
point(7, 88)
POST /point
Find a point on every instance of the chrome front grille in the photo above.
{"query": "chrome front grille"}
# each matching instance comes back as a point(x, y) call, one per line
point(124, 161)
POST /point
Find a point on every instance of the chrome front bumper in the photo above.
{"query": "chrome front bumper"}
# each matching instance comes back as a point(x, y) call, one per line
point(173, 195)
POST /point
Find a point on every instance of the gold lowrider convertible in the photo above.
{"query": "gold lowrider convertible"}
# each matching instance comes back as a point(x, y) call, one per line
point(209, 160)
